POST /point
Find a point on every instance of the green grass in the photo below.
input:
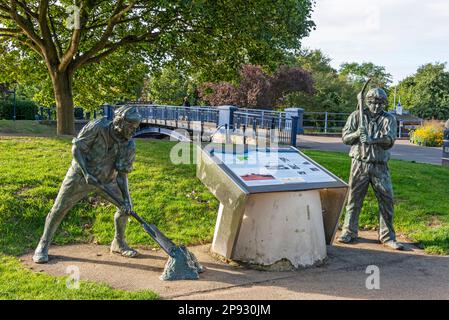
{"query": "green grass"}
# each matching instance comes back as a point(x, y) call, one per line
point(17, 282)
point(170, 196)
point(26, 127)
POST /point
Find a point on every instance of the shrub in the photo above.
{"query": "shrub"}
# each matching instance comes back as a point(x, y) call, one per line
point(430, 134)
point(25, 109)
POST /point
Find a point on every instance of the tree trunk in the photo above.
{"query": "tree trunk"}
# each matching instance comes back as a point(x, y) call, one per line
point(62, 86)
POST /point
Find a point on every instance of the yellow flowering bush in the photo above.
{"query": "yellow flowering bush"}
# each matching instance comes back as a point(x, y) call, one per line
point(430, 134)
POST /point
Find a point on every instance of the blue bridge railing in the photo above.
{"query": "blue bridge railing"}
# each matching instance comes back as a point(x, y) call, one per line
point(286, 125)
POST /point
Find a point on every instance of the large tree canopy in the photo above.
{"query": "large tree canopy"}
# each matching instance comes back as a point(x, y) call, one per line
point(426, 93)
point(67, 36)
point(333, 92)
point(360, 72)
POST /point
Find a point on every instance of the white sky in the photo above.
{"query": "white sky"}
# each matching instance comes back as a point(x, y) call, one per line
point(400, 35)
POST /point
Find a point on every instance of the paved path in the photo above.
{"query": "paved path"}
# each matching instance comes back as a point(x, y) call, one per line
point(402, 150)
point(403, 275)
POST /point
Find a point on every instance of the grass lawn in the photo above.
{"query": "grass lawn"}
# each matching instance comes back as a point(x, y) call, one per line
point(170, 196)
point(26, 127)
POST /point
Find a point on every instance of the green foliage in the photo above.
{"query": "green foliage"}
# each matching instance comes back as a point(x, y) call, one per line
point(333, 93)
point(168, 85)
point(107, 57)
point(360, 72)
point(426, 93)
point(25, 109)
point(118, 78)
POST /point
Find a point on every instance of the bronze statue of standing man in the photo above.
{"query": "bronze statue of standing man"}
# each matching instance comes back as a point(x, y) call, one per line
point(103, 154)
point(371, 132)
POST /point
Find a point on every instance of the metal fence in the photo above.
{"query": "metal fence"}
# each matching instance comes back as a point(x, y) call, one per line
point(177, 113)
point(324, 122)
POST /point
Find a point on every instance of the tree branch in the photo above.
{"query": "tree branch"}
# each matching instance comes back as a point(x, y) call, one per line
point(74, 42)
point(46, 33)
point(24, 25)
point(27, 10)
point(27, 42)
point(55, 36)
point(119, 12)
point(112, 47)
point(10, 30)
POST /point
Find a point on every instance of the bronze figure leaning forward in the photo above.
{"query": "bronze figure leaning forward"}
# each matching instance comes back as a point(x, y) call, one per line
point(103, 154)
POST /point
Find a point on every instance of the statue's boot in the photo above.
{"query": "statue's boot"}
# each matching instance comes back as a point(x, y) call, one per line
point(346, 238)
point(119, 244)
point(41, 252)
point(52, 222)
point(393, 244)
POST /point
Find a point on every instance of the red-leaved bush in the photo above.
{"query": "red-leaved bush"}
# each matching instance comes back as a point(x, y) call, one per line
point(256, 88)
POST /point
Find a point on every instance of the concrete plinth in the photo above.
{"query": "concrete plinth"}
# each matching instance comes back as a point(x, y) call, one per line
point(282, 225)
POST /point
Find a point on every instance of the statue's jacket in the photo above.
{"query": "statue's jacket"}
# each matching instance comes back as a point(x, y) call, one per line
point(383, 128)
point(105, 155)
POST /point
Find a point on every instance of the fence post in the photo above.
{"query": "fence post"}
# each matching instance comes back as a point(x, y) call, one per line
point(226, 116)
point(294, 131)
point(176, 116)
point(299, 113)
point(325, 122)
point(244, 134)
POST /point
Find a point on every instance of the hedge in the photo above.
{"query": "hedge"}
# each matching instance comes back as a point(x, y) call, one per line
point(25, 109)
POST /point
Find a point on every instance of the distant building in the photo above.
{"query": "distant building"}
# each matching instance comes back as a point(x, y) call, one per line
point(406, 122)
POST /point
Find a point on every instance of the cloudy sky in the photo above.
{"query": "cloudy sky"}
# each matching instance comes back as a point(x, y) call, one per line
point(398, 34)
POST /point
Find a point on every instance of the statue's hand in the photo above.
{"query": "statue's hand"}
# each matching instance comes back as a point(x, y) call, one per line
point(364, 138)
point(90, 179)
point(127, 208)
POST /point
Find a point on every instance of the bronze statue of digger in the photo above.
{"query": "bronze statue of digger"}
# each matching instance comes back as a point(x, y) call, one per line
point(103, 154)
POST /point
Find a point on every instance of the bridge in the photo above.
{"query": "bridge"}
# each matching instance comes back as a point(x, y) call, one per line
point(227, 124)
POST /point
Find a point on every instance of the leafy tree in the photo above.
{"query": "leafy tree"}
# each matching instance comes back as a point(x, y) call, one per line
point(167, 86)
point(257, 89)
point(426, 93)
point(118, 78)
point(194, 31)
point(360, 72)
point(333, 93)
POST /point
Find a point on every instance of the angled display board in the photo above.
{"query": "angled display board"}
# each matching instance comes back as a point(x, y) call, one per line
point(268, 170)
point(275, 203)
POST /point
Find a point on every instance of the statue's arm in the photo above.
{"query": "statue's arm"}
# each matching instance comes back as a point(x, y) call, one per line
point(350, 132)
point(81, 146)
point(122, 182)
point(124, 167)
point(387, 138)
point(79, 158)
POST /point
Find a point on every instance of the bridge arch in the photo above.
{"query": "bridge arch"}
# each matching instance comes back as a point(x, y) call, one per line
point(160, 130)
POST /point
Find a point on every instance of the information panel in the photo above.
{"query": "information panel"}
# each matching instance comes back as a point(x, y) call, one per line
point(277, 167)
